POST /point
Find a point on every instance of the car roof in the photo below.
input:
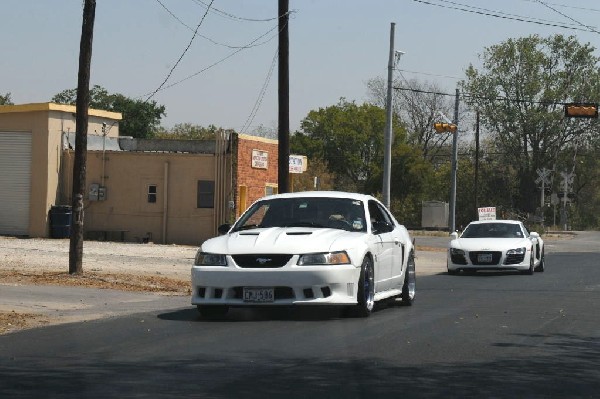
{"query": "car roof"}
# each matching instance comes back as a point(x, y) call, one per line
point(323, 194)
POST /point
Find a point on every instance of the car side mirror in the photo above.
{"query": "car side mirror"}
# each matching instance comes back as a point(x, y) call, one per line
point(223, 229)
point(533, 234)
point(454, 235)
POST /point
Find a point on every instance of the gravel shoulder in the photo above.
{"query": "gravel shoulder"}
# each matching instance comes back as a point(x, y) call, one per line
point(118, 278)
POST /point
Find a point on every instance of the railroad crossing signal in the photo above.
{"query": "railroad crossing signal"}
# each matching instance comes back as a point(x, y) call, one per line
point(581, 110)
point(441, 127)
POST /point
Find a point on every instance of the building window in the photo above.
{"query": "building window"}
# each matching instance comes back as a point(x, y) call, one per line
point(152, 193)
point(206, 194)
point(271, 189)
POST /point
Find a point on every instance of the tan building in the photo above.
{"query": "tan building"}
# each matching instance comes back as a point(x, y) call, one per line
point(164, 191)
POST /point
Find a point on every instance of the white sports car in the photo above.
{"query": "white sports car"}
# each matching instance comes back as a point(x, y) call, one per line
point(496, 245)
point(306, 248)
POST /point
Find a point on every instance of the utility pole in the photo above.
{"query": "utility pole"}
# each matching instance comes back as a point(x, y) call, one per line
point(387, 154)
point(81, 127)
point(452, 216)
point(476, 162)
point(283, 171)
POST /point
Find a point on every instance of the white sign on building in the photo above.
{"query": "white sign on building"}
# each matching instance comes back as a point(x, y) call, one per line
point(260, 159)
point(487, 213)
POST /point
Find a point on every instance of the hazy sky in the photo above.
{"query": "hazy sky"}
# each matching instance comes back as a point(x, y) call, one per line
point(336, 46)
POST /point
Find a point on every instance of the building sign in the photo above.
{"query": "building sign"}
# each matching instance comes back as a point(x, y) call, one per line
point(487, 213)
point(260, 159)
point(297, 163)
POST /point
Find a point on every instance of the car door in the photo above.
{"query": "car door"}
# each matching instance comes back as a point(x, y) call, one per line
point(383, 230)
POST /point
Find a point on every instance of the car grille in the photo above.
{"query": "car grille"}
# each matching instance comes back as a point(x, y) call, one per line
point(263, 261)
point(496, 255)
point(514, 259)
point(280, 293)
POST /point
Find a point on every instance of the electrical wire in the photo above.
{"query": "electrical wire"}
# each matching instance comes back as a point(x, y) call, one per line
point(430, 74)
point(182, 54)
point(231, 16)
point(261, 95)
point(215, 63)
point(568, 17)
point(567, 6)
point(206, 37)
point(496, 15)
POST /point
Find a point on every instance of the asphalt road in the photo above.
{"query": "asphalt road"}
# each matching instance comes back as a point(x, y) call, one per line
point(484, 335)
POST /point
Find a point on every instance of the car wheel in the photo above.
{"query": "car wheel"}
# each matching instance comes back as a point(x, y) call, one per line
point(452, 272)
point(530, 270)
point(542, 265)
point(213, 311)
point(366, 289)
point(409, 287)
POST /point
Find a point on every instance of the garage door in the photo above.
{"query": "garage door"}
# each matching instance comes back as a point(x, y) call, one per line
point(15, 182)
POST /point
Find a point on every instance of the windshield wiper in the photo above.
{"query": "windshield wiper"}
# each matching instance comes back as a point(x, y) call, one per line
point(304, 224)
point(246, 227)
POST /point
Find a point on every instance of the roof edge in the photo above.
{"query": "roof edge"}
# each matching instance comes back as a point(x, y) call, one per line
point(37, 107)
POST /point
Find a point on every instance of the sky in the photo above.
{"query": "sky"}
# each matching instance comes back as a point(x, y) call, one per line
point(226, 74)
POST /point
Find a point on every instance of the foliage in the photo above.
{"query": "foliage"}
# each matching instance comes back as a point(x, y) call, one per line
point(519, 92)
point(305, 181)
point(418, 108)
point(5, 99)
point(188, 131)
point(349, 137)
point(141, 119)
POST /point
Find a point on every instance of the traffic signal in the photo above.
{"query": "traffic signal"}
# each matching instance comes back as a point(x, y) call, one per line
point(444, 127)
point(581, 110)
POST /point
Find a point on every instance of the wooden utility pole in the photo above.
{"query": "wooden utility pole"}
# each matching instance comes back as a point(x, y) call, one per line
point(81, 127)
point(283, 171)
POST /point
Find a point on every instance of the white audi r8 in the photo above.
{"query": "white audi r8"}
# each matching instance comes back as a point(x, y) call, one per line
point(496, 245)
point(306, 248)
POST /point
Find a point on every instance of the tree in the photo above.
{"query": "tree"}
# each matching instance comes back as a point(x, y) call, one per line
point(188, 131)
point(5, 99)
point(349, 137)
point(418, 108)
point(519, 92)
point(141, 119)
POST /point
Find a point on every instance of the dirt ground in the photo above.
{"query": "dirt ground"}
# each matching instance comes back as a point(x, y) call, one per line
point(163, 269)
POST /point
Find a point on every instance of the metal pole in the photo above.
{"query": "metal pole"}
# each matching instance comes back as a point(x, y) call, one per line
point(387, 154)
point(452, 216)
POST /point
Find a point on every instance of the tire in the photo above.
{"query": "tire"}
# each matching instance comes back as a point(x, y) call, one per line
point(213, 311)
point(366, 290)
point(452, 272)
point(542, 266)
point(530, 270)
point(409, 288)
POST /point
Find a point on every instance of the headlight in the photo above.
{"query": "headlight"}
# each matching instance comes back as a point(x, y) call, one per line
point(517, 251)
point(456, 251)
point(207, 259)
point(329, 258)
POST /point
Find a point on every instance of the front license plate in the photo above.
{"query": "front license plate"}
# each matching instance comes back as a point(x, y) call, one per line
point(484, 258)
point(255, 294)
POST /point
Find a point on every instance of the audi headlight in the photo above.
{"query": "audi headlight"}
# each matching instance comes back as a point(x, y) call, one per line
point(517, 251)
point(327, 258)
point(456, 251)
point(208, 259)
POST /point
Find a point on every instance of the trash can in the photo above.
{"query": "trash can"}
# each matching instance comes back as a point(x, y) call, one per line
point(60, 221)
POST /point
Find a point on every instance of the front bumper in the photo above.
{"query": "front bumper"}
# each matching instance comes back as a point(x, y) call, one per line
point(491, 260)
point(293, 285)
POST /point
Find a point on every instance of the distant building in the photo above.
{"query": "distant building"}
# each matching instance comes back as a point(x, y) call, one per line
point(137, 190)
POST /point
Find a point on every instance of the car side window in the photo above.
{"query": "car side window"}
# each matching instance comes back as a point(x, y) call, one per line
point(379, 216)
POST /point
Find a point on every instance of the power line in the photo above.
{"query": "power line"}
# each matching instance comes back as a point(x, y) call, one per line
point(215, 63)
point(566, 16)
point(496, 15)
point(429, 74)
point(231, 16)
point(182, 54)
point(261, 95)
point(568, 6)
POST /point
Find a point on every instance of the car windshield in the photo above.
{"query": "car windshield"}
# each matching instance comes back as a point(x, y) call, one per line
point(321, 212)
point(493, 230)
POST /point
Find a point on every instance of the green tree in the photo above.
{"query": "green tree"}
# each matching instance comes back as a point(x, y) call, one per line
point(188, 131)
point(349, 137)
point(5, 99)
point(519, 92)
point(141, 119)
